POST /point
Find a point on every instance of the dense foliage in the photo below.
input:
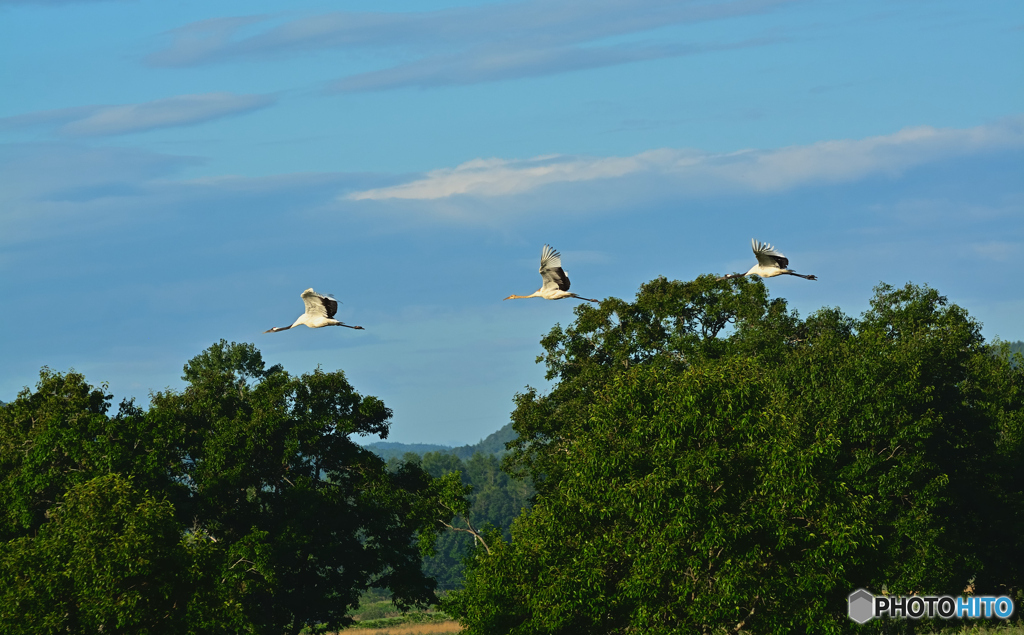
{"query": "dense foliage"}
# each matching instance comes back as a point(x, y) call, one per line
point(495, 500)
point(238, 505)
point(709, 462)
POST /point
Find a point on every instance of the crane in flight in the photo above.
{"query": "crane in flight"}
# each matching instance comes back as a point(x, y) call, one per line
point(320, 310)
point(556, 282)
point(770, 263)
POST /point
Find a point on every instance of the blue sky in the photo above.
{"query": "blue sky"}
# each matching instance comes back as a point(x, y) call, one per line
point(176, 173)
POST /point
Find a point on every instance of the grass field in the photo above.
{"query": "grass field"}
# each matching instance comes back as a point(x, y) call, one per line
point(436, 628)
point(451, 627)
point(985, 628)
point(377, 615)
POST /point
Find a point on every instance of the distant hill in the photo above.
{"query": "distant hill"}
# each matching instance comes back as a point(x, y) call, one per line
point(1016, 347)
point(387, 449)
point(494, 443)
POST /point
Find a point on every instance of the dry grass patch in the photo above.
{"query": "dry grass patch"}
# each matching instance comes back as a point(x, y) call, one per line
point(437, 628)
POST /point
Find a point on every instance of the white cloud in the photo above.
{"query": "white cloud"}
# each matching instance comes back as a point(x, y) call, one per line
point(700, 172)
point(181, 110)
point(500, 177)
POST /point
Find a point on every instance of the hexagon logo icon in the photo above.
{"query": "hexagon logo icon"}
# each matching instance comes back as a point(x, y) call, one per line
point(861, 603)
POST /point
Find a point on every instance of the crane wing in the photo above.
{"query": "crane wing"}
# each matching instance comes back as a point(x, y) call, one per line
point(551, 269)
point(768, 256)
point(320, 305)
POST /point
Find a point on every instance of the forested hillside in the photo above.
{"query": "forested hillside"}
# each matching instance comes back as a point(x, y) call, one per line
point(494, 443)
point(1017, 347)
point(495, 501)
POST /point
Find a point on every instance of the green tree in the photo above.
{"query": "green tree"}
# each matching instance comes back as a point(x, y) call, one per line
point(107, 561)
point(708, 461)
point(60, 436)
point(241, 501)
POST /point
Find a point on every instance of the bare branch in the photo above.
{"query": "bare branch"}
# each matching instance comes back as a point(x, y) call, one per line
point(736, 629)
point(473, 532)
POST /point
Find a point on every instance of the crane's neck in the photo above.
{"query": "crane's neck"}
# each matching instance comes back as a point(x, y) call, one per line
point(535, 294)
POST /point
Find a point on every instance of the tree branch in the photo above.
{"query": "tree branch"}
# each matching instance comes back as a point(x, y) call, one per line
point(473, 532)
point(736, 629)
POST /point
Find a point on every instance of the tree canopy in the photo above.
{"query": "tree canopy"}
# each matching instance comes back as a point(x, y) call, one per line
point(240, 504)
point(709, 461)
point(706, 461)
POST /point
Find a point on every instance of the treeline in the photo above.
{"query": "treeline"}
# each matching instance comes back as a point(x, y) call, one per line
point(708, 461)
point(239, 505)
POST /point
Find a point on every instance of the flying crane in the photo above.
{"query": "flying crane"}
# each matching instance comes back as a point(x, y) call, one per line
point(556, 282)
point(320, 310)
point(770, 263)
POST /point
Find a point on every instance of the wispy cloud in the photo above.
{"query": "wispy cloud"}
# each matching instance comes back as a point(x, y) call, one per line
point(699, 172)
point(68, 172)
point(489, 64)
point(56, 2)
point(997, 250)
point(73, 188)
point(182, 110)
point(202, 41)
point(466, 44)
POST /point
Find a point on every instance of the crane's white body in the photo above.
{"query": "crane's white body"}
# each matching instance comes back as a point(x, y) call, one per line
point(320, 310)
point(770, 263)
point(556, 281)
